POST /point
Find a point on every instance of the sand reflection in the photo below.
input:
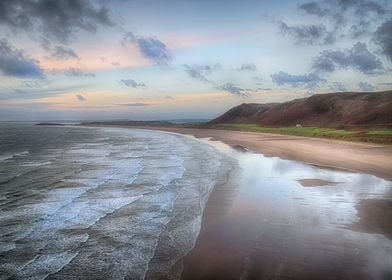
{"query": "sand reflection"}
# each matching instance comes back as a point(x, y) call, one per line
point(275, 228)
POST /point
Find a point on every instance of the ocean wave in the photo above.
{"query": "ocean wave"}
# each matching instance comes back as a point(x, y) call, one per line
point(36, 164)
point(125, 200)
point(11, 156)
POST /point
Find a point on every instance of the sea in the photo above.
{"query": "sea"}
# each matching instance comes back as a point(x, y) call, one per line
point(117, 203)
point(99, 203)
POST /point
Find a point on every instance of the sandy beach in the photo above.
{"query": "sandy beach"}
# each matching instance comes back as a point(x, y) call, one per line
point(250, 233)
point(368, 158)
point(293, 208)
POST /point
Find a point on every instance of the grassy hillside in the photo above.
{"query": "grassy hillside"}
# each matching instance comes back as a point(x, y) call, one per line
point(333, 110)
point(382, 136)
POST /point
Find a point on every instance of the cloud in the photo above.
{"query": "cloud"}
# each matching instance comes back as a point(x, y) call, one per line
point(383, 36)
point(34, 83)
point(386, 84)
point(135, 104)
point(153, 49)
point(357, 15)
point(39, 92)
point(337, 10)
point(307, 34)
point(309, 81)
point(80, 97)
point(128, 37)
point(258, 80)
point(364, 86)
point(13, 62)
point(359, 29)
point(233, 89)
point(314, 8)
point(358, 58)
point(73, 72)
point(337, 86)
point(19, 91)
point(247, 67)
point(132, 83)
point(169, 97)
point(350, 18)
point(58, 52)
point(150, 47)
point(198, 72)
point(57, 20)
point(65, 53)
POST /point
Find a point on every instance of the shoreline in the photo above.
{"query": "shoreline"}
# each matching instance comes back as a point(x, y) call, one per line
point(369, 158)
point(375, 159)
point(281, 228)
point(266, 217)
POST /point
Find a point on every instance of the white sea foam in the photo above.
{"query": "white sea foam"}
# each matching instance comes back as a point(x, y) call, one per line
point(11, 156)
point(36, 164)
point(119, 200)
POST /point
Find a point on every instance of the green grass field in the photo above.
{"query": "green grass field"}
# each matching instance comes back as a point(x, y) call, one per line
point(368, 135)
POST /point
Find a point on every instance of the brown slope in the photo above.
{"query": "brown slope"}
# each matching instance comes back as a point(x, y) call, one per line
point(324, 110)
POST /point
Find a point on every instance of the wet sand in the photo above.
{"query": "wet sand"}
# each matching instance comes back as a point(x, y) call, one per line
point(375, 216)
point(297, 227)
point(368, 158)
point(265, 225)
point(315, 182)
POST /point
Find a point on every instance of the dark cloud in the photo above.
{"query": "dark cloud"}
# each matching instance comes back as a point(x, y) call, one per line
point(233, 89)
point(58, 20)
point(314, 8)
point(364, 86)
point(309, 81)
point(198, 72)
point(58, 52)
point(383, 36)
point(247, 67)
point(134, 104)
point(357, 15)
point(132, 83)
point(307, 34)
point(169, 97)
point(74, 72)
point(362, 7)
point(153, 49)
point(337, 10)
point(358, 58)
point(150, 47)
point(80, 97)
point(64, 53)
point(337, 86)
point(13, 62)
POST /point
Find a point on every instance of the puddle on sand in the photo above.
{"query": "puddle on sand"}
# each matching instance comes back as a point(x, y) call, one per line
point(315, 182)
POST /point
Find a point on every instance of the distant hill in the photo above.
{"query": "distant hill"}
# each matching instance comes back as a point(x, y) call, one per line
point(129, 123)
point(343, 109)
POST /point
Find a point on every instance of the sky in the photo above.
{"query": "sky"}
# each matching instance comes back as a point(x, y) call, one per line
point(184, 59)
